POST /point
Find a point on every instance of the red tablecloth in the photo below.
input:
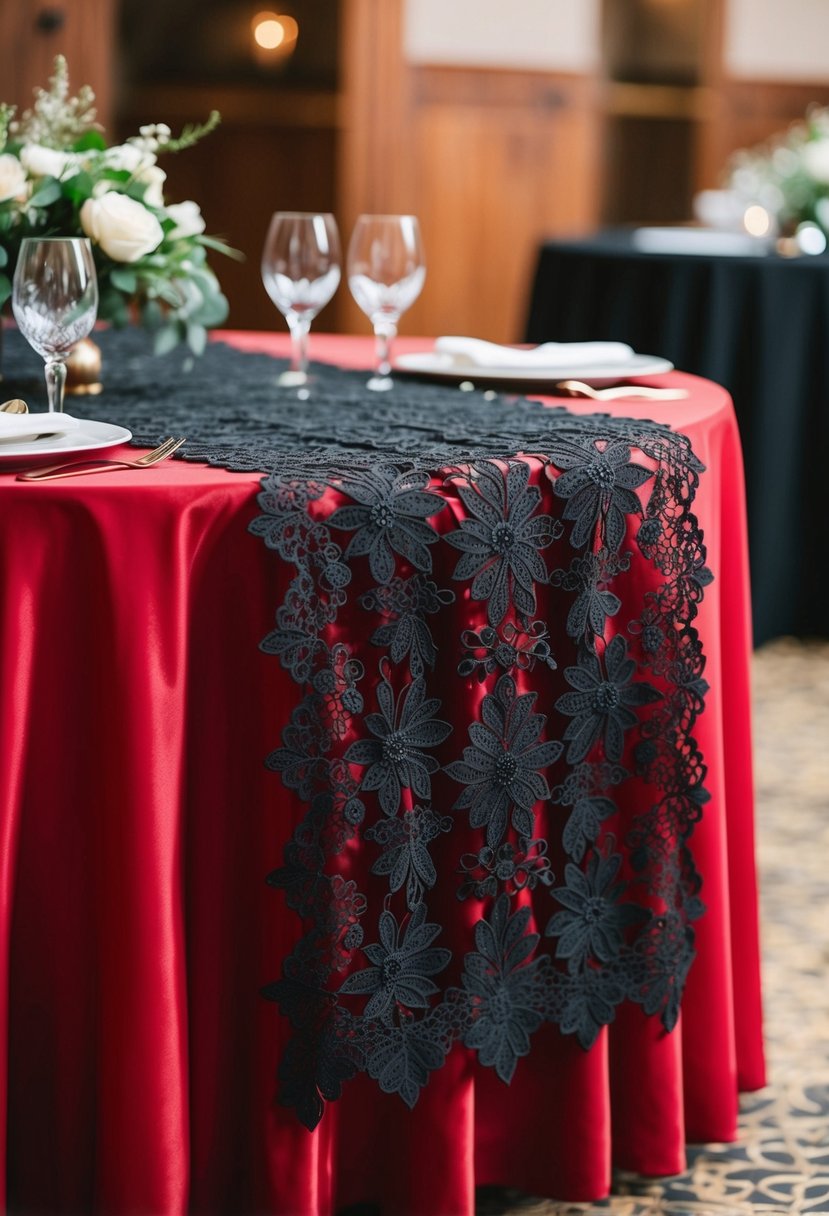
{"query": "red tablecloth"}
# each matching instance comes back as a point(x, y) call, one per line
point(138, 823)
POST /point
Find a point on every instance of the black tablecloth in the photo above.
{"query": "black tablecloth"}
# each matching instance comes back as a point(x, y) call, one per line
point(759, 326)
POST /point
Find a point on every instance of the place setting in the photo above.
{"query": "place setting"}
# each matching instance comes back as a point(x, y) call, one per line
point(55, 305)
point(27, 438)
point(603, 371)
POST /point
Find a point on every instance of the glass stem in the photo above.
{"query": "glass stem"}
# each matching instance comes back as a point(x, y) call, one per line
point(384, 334)
point(55, 381)
point(299, 327)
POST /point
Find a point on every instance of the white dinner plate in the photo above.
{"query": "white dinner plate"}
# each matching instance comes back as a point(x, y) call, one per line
point(88, 437)
point(443, 367)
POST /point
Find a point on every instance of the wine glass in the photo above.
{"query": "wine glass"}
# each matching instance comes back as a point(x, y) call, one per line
point(386, 270)
point(301, 271)
point(55, 302)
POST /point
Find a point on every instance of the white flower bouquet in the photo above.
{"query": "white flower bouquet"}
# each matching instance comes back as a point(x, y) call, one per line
point(788, 175)
point(58, 177)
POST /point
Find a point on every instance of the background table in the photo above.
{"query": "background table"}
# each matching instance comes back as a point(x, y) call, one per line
point(756, 324)
point(138, 822)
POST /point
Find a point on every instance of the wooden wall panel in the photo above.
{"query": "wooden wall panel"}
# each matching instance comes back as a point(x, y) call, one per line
point(270, 153)
point(490, 160)
point(374, 162)
point(750, 112)
point(503, 160)
point(375, 169)
point(82, 30)
point(649, 165)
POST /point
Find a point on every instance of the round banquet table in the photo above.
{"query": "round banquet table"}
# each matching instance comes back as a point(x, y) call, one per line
point(755, 324)
point(136, 929)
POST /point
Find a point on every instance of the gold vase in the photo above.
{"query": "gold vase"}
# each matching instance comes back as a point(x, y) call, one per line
point(83, 369)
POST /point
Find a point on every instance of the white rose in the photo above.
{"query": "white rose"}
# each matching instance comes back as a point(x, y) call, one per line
point(123, 227)
point(13, 182)
point(46, 162)
point(187, 218)
point(815, 155)
point(155, 179)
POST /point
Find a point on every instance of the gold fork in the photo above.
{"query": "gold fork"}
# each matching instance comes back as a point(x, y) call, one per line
point(80, 468)
point(577, 388)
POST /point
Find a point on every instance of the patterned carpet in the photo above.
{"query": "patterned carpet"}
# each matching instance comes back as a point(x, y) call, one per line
point(781, 1162)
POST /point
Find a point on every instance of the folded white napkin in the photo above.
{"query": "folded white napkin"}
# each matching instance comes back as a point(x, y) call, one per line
point(473, 352)
point(17, 427)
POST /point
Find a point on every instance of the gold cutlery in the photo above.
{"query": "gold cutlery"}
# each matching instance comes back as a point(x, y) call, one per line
point(79, 468)
point(15, 406)
point(577, 388)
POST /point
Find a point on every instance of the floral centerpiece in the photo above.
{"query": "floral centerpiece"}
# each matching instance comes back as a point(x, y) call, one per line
point(788, 175)
point(58, 177)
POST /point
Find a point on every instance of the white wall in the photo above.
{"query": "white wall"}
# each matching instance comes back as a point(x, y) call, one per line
point(556, 35)
point(765, 39)
point(778, 39)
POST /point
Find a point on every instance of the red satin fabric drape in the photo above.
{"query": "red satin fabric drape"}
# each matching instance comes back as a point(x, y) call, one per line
point(138, 823)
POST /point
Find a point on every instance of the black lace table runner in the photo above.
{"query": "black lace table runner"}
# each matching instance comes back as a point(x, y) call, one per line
point(460, 562)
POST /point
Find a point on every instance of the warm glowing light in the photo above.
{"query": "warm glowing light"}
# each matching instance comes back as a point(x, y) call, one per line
point(290, 27)
point(268, 31)
point(757, 220)
point(274, 33)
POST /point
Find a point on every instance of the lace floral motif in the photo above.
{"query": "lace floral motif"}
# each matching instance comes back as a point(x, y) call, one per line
point(395, 759)
point(406, 857)
point(403, 960)
point(404, 603)
point(598, 484)
point(501, 984)
point(590, 576)
point(514, 648)
point(536, 518)
point(502, 538)
point(594, 917)
point(390, 518)
point(502, 770)
point(603, 700)
point(511, 866)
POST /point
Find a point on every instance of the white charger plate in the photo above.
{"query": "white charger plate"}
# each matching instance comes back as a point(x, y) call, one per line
point(87, 437)
point(443, 367)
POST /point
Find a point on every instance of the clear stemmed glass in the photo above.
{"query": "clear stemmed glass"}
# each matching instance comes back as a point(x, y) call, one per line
point(55, 302)
point(386, 270)
point(301, 271)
